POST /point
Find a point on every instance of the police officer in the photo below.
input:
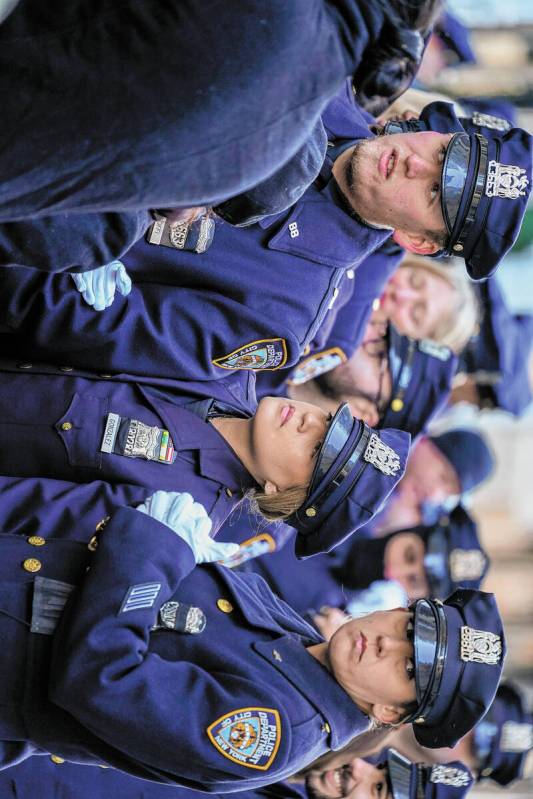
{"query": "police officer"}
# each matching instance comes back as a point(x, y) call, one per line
point(265, 695)
point(318, 235)
point(388, 381)
point(494, 368)
point(327, 473)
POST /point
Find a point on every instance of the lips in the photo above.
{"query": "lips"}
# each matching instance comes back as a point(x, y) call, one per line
point(387, 163)
point(286, 413)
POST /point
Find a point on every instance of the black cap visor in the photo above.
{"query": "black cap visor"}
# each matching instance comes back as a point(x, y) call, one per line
point(338, 434)
point(430, 639)
point(399, 774)
point(454, 174)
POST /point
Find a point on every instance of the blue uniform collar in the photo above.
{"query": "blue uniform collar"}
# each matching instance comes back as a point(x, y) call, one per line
point(289, 656)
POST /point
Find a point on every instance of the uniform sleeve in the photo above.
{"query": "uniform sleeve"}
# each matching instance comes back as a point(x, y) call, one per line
point(46, 507)
point(70, 242)
point(159, 330)
point(153, 709)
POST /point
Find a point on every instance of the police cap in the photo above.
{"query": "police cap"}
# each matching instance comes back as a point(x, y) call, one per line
point(459, 649)
point(410, 780)
point(356, 470)
point(454, 556)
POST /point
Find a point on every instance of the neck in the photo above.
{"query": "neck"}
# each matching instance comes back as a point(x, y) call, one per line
point(237, 433)
point(320, 653)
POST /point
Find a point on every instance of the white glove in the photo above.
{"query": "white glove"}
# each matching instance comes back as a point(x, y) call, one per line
point(189, 520)
point(98, 286)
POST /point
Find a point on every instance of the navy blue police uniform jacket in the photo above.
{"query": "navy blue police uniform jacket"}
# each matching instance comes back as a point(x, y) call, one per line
point(50, 777)
point(254, 300)
point(240, 705)
point(159, 107)
point(62, 425)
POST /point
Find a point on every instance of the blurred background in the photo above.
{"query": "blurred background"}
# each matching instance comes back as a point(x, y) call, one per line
point(500, 35)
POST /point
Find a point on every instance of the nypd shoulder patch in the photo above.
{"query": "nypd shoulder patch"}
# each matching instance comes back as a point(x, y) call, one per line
point(267, 354)
point(316, 365)
point(249, 736)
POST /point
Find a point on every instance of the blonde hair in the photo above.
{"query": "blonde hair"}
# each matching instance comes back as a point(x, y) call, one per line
point(279, 506)
point(457, 326)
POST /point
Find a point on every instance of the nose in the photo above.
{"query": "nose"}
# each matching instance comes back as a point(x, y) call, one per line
point(418, 167)
point(391, 645)
point(312, 422)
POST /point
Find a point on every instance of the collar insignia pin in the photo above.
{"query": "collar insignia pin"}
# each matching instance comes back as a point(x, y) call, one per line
point(506, 181)
point(466, 564)
point(516, 737)
point(449, 775)
point(490, 121)
point(480, 646)
point(381, 456)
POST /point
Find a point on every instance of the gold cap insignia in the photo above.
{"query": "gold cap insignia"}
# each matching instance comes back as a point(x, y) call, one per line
point(466, 564)
point(381, 456)
point(506, 181)
point(516, 737)
point(449, 775)
point(480, 646)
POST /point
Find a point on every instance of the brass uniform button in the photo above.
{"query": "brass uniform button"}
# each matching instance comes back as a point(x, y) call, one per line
point(93, 544)
point(396, 404)
point(57, 759)
point(36, 541)
point(310, 512)
point(102, 523)
point(66, 426)
point(229, 492)
point(326, 728)
point(224, 605)
point(65, 368)
point(32, 565)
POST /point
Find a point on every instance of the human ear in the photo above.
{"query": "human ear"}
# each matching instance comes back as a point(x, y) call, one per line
point(416, 243)
point(387, 714)
point(270, 488)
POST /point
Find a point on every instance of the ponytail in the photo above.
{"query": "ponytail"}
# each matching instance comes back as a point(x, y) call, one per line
point(279, 506)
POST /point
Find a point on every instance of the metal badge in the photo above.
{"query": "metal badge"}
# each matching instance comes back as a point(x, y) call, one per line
point(449, 775)
point(142, 441)
point(490, 121)
point(466, 564)
point(381, 456)
point(506, 181)
point(516, 737)
point(182, 618)
point(480, 646)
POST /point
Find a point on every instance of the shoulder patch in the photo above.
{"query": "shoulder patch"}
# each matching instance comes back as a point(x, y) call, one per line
point(140, 597)
point(316, 365)
point(249, 736)
point(267, 354)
